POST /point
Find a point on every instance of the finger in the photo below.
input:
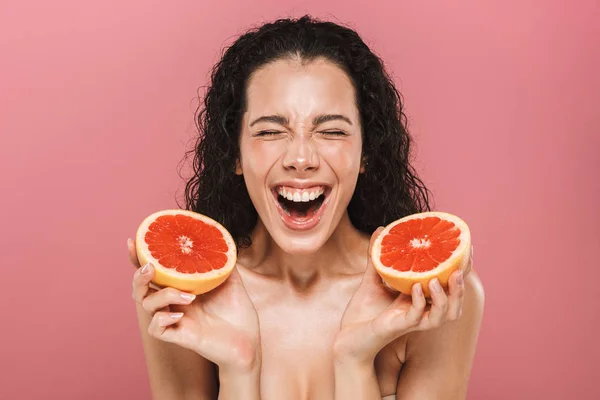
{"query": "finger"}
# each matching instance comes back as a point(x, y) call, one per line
point(439, 307)
point(457, 292)
point(132, 253)
point(415, 312)
point(396, 320)
point(165, 297)
point(392, 322)
point(371, 275)
point(141, 279)
point(160, 322)
point(400, 320)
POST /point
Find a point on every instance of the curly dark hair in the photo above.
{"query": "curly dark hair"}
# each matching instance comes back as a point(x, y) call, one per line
point(389, 188)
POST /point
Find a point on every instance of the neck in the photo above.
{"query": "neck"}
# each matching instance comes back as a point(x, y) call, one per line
point(343, 254)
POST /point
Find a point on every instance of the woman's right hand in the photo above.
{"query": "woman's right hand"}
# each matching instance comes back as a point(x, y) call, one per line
point(221, 325)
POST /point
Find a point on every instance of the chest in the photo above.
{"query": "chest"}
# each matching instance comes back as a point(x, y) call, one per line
point(297, 338)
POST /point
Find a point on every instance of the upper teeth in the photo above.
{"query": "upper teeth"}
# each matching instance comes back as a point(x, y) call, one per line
point(298, 195)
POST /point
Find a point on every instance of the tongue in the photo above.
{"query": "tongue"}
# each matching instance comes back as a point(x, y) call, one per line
point(303, 210)
point(300, 212)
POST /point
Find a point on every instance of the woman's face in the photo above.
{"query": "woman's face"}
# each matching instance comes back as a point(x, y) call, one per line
point(300, 150)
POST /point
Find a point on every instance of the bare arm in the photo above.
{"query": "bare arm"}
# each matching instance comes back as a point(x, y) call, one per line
point(376, 317)
point(355, 381)
point(175, 373)
point(184, 337)
point(438, 362)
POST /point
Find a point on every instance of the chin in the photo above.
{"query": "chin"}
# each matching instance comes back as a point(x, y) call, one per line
point(305, 245)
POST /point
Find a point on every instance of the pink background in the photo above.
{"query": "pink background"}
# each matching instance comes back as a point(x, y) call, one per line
point(96, 111)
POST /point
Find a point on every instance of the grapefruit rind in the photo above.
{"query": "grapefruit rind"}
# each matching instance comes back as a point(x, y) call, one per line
point(403, 281)
point(195, 283)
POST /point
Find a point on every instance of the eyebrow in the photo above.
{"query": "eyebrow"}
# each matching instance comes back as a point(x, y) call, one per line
point(319, 119)
point(277, 119)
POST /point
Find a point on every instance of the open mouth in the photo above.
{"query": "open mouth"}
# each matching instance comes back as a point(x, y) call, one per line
point(301, 206)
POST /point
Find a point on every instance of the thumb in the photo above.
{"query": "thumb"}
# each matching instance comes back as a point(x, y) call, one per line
point(393, 323)
point(234, 280)
point(132, 253)
point(232, 289)
point(371, 275)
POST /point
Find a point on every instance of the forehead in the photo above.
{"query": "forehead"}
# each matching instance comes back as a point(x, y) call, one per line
point(298, 89)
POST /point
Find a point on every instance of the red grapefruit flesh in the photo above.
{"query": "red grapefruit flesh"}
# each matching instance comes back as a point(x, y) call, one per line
point(189, 251)
point(420, 247)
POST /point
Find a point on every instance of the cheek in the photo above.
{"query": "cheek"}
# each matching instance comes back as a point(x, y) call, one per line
point(344, 159)
point(258, 157)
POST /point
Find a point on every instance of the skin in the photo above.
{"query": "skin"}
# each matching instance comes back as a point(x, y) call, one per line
point(305, 315)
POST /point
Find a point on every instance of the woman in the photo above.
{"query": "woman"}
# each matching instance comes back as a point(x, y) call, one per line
point(302, 108)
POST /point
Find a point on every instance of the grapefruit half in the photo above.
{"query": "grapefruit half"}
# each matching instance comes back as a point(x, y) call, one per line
point(420, 247)
point(189, 251)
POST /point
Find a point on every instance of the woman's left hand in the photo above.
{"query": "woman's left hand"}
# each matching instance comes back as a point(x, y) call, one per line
point(376, 315)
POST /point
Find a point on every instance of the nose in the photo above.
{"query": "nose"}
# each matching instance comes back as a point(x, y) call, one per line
point(301, 154)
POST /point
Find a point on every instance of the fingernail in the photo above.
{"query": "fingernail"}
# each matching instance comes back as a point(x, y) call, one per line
point(176, 315)
point(145, 268)
point(435, 283)
point(187, 296)
point(459, 278)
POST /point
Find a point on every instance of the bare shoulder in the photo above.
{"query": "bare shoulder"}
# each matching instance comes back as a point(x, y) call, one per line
point(473, 302)
point(474, 294)
point(437, 362)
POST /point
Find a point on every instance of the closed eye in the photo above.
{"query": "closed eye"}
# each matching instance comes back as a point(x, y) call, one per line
point(334, 133)
point(267, 133)
point(328, 133)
